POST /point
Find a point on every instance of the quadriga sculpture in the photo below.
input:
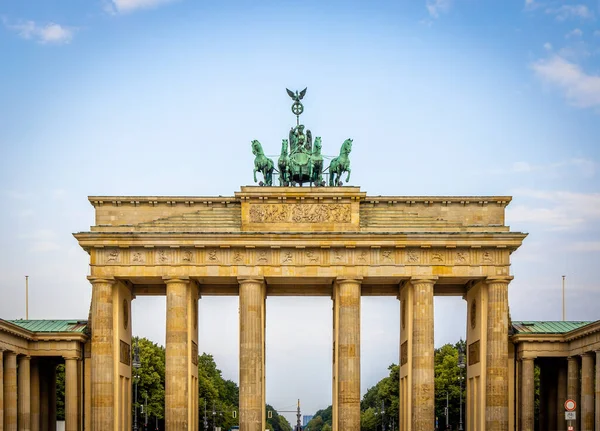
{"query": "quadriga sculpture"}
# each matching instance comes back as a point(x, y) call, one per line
point(316, 164)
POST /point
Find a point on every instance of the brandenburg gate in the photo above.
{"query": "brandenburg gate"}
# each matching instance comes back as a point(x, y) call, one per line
point(327, 241)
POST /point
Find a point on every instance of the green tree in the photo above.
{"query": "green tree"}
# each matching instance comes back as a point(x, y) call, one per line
point(150, 378)
point(369, 419)
point(326, 427)
point(277, 422)
point(447, 383)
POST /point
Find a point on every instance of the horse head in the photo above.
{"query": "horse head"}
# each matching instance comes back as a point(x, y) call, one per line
point(256, 148)
point(284, 146)
point(317, 146)
point(346, 146)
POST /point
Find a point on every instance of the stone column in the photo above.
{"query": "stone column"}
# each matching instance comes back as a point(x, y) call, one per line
point(496, 414)
point(252, 351)
point(103, 394)
point(527, 394)
point(180, 354)
point(587, 392)
point(71, 398)
point(44, 396)
point(597, 390)
point(35, 395)
point(347, 304)
point(2, 388)
point(561, 394)
point(10, 391)
point(23, 393)
point(573, 385)
point(423, 395)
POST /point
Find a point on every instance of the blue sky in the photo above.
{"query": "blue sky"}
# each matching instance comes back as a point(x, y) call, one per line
point(159, 97)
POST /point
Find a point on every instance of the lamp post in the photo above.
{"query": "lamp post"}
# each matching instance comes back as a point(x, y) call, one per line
point(136, 366)
point(461, 366)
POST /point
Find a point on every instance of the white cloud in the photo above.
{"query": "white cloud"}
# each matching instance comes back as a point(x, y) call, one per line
point(435, 7)
point(574, 33)
point(532, 5)
point(131, 5)
point(49, 33)
point(571, 11)
point(580, 89)
point(548, 46)
point(558, 210)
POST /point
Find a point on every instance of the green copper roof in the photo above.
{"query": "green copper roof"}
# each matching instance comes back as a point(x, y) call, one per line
point(541, 327)
point(51, 325)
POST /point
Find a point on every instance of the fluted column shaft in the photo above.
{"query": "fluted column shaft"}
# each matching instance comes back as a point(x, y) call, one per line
point(103, 397)
point(573, 385)
point(347, 302)
point(71, 392)
point(423, 394)
point(176, 355)
point(598, 390)
point(23, 390)
point(35, 395)
point(52, 397)
point(252, 354)
point(10, 391)
point(527, 394)
point(587, 392)
point(2, 388)
point(497, 355)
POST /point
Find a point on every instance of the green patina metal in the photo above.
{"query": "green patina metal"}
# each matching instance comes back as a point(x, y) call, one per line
point(547, 327)
point(51, 325)
point(300, 160)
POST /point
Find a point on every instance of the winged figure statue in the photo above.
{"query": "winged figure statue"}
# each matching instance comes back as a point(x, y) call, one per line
point(296, 97)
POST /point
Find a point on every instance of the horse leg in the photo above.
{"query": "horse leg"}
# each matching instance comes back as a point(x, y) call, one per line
point(348, 177)
point(254, 174)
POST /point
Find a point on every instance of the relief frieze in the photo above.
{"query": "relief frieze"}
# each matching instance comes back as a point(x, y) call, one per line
point(300, 213)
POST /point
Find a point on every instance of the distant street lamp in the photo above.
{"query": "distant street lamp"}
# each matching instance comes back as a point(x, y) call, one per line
point(461, 366)
point(136, 366)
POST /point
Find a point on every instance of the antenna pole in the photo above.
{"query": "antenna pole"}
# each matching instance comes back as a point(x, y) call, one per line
point(563, 298)
point(26, 297)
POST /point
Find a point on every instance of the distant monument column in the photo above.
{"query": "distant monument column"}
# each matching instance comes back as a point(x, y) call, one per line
point(496, 416)
point(252, 354)
point(181, 354)
point(527, 394)
point(346, 299)
point(10, 391)
point(103, 411)
point(23, 390)
point(587, 392)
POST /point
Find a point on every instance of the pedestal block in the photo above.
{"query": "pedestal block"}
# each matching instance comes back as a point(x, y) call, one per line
point(10, 391)
point(24, 399)
point(587, 392)
point(527, 394)
point(346, 297)
point(252, 354)
point(496, 396)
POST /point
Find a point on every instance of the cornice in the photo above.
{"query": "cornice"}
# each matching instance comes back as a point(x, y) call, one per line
point(16, 330)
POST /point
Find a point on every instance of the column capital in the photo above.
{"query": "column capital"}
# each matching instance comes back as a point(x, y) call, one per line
point(572, 358)
point(528, 357)
point(23, 356)
point(356, 279)
point(168, 279)
point(428, 279)
point(499, 279)
point(587, 354)
point(71, 358)
point(250, 279)
point(96, 280)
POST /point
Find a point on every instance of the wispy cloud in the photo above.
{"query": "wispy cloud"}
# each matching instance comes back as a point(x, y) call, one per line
point(565, 12)
point(558, 210)
point(435, 7)
point(586, 167)
point(42, 240)
point(123, 6)
point(548, 46)
point(50, 33)
point(585, 246)
point(532, 4)
point(580, 88)
point(574, 33)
